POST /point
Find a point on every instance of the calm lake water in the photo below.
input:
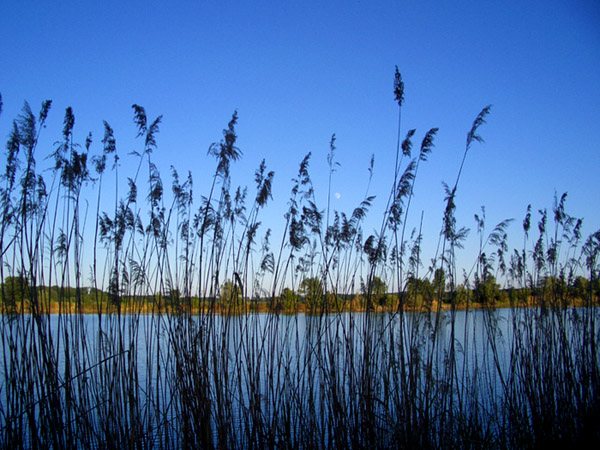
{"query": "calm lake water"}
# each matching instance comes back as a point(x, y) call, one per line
point(285, 364)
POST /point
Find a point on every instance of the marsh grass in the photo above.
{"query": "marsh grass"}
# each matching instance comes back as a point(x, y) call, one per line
point(177, 355)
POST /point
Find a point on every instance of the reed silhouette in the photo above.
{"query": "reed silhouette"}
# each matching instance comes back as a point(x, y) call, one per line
point(180, 337)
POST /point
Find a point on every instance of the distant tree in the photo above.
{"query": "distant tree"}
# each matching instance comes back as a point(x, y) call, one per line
point(173, 298)
point(15, 290)
point(439, 284)
point(580, 288)
point(334, 301)
point(486, 291)
point(230, 295)
point(412, 289)
point(378, 291)
point(595, 289)
point(419, 291)
point(461, 294)
point(312, 290)
point(379, 287)
point(553, 288)
point(288, 299)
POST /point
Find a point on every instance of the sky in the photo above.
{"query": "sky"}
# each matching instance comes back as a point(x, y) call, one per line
point(299, 71)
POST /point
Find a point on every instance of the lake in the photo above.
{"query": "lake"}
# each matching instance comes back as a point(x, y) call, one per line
point(333, 380)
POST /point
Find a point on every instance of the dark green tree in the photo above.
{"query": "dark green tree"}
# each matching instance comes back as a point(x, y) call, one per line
point(439, 284)
point(580, 288)
point(288, 300)
point(312, 290)
point(379, 290)
point(230, 295)
point(15, 290)
point(487, 291)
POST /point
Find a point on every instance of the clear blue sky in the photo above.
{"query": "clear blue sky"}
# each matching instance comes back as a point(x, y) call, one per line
point(298, 71)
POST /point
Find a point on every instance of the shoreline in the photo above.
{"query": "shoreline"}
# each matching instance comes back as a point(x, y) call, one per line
point(71, 308)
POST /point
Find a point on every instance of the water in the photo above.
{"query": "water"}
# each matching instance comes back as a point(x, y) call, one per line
point(245, 380)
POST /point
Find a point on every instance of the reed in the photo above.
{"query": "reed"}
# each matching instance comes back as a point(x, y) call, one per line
point(205, 335)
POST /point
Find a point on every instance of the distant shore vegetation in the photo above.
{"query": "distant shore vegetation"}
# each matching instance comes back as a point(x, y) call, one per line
point(421, 296)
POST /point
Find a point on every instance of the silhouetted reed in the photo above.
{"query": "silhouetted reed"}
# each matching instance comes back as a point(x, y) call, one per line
point(193, 331)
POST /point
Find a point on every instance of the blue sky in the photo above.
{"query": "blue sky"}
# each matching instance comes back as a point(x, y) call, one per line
point(297, 72)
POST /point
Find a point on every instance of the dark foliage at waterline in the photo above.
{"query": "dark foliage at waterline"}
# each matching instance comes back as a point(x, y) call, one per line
point(167, 374)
